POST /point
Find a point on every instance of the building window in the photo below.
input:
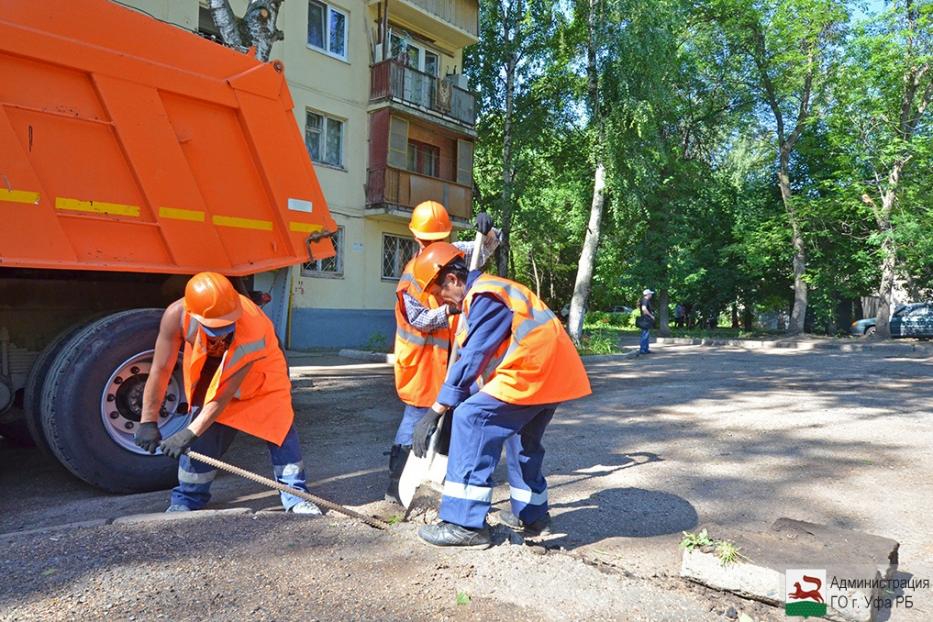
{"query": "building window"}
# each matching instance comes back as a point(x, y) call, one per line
point(396, 252)
point(332, 266)
point(327, 29)
point(424, 158)
point(415, 56)
point(324, 138)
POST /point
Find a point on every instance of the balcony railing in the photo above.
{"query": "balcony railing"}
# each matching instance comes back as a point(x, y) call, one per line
point(393, 187)
point(391, 79)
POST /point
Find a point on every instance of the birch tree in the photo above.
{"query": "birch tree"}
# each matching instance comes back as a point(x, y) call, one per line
point(255, 29)
point(583, 282)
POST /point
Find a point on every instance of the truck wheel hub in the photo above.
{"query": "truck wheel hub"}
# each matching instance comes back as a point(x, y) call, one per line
point(122, 400)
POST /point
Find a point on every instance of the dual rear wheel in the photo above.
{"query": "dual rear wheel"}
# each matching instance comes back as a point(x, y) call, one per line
point(83, 401)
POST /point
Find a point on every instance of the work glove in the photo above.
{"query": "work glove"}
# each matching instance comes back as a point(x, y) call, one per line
point(421, 437)
point(148, 436)
point(483, 223)
point(178, 443)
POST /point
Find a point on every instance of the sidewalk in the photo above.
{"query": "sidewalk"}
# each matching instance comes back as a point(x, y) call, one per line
point(808, 343)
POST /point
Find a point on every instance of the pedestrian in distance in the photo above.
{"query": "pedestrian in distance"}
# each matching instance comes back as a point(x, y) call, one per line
point(645, 320)
point(680, 315)
point(236, 379)
point(517, 351)
point(424, 332)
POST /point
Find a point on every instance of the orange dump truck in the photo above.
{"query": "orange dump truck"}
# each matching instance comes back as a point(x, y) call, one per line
point(132, 155)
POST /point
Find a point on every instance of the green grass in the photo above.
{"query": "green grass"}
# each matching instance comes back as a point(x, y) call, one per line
point(463, 598)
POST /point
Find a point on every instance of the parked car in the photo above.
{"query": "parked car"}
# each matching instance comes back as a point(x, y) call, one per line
point(912, 320)
point(621, 309)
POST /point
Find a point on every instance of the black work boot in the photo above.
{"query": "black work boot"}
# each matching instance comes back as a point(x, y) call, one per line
point(449, 534)
point(537, 528)
point(398, 455)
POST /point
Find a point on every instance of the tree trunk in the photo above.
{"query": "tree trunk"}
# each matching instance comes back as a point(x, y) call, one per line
point(534, 270)
point(581, 287)
point(888, 263)
point(664, 320)
point(798, 314)
point(257, 28)
point(259, 21)
point(506, 209)
point(226, 22)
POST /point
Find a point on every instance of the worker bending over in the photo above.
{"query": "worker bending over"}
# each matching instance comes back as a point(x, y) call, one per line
point(516, 349)
point(236, 378)
point(423, 333)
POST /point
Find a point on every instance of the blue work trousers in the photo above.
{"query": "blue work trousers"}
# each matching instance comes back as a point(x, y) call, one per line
point(645, 337)
point(195, 478)
point(406, 428)
point(482, 425)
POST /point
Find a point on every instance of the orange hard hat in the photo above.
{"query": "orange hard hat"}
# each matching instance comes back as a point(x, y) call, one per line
point(211, 299)
point(432, 260)
point(429, 221)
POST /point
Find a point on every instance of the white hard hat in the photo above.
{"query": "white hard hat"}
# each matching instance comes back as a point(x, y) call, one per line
point(646, 292)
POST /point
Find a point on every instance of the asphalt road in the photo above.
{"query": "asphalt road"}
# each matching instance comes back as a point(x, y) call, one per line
point(682, 438)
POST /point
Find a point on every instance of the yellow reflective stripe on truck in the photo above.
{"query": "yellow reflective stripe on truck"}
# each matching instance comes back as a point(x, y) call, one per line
point(303, 227)
point(96, 207)
point(176, 213)
point(19, 196)
point(242, 223)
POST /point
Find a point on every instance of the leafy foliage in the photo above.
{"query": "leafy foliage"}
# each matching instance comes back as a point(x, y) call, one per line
point(696, 97)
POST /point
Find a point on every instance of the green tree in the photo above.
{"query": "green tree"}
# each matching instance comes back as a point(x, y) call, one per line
point(881, 127)
point(790, 48)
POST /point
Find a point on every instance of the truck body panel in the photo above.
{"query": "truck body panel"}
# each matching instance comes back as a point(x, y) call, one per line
point(127, 144)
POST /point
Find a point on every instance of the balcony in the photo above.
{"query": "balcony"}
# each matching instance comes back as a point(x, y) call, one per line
point(396, 192)
point(393, 81)
point(452, 22)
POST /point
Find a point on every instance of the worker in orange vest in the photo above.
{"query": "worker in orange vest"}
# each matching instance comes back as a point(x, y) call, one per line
point(516, 349)
point(423, 334)
point(236, 378)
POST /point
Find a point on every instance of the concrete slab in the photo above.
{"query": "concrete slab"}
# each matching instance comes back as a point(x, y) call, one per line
point(855, 564)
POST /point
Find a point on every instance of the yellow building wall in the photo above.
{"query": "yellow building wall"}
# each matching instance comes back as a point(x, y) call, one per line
point(337, 88)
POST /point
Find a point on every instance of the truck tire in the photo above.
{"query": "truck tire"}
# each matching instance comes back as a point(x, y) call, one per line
point(91, 398)
point(32, 392)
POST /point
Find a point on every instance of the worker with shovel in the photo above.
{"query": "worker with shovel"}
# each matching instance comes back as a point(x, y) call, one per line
point(236, 378)
point(517, 349)
point(423, 334)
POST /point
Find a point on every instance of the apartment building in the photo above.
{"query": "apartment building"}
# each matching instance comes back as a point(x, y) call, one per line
point(388, 120)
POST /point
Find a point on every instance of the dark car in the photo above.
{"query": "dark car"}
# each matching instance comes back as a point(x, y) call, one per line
point(913, 320)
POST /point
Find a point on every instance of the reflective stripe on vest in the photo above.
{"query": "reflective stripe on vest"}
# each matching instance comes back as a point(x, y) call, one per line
point(421, 358)
point(538, 364)
point(422, 339)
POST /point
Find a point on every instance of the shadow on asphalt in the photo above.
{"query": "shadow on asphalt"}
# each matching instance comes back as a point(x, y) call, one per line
point(621, 512)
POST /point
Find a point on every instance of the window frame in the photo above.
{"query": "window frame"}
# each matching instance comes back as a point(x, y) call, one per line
point(422, 49)
point(338, 256)
point(400, 263)
point(322, 133)
point(328, 8)
point(421, 149)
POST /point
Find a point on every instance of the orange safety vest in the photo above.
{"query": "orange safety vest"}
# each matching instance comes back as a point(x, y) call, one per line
point(538, 364)
point(262, 406)
point(420, 358)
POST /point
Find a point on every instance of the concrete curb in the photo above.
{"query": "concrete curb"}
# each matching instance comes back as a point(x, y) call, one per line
point(159, 517)
point(601, 358)
point(754, 344)
point(372, 357)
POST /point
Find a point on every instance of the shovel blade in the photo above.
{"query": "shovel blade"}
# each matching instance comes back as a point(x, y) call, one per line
point(430, 468)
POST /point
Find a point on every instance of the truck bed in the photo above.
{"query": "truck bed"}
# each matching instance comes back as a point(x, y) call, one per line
point(127, 144)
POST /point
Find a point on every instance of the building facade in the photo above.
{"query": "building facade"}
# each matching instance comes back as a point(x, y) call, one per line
point(388, 121)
